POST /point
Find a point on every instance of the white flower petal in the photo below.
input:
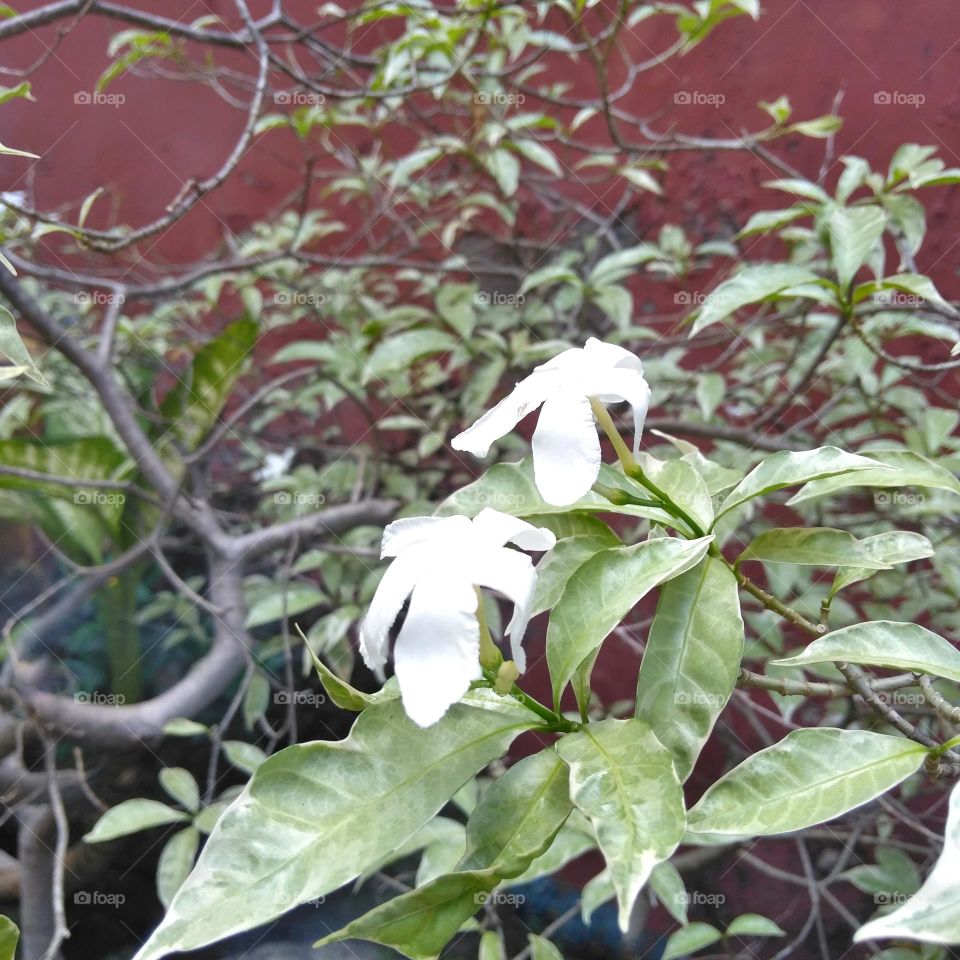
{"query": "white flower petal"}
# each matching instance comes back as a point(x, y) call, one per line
point(498, 528)
point(512, 574)
point(566, 449)
point(526, 396)
point(408, 531)
point(395, 586)
point(623, 384)
point(438, 651)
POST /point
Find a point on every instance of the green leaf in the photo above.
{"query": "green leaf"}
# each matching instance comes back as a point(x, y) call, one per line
point(514, 822)
point(504, 167)
point(543, 949)
point(892, 468)
point(894, 874)
point(286, 601)
point(491, 946)
point(9, 937)
point(195, 404)
point(604, 591)
point(12, 348)
point(884, 643)
point(917, 285)
point(668, 885)
point(752, 285)
point(766, 220)
point(854, 232)
point(681, 482)
point(753, 925)
point(809, 777)
point(176, 862)
point(894, 546)
point(811, 546)
point(362, 797)
point(933, 914)
point(819, 127)
point(132, 816)
point(787, 469)
point(623, 780)
point(402, 350)
point(182, 727)
point(518, 815)
point(342, 693)
point(420, 923)
point(510, 488)
point(690, 939)
point(180, 785)
point(692, 659)
point(244, 756)
point(561, 563)
point(597, 891)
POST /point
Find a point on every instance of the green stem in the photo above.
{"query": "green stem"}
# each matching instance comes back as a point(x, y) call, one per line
point(490, 655)
point(632, 469)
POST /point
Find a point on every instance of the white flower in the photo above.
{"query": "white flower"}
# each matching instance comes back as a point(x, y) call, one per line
point(439, 562)
point(275, 465)
point(566, 448)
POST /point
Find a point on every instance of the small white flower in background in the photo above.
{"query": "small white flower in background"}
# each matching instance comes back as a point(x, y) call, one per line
point(275, 465)
point(438, 563)
point(566, 448)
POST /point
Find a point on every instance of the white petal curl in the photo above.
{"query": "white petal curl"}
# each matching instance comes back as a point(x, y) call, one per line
point(566, 450)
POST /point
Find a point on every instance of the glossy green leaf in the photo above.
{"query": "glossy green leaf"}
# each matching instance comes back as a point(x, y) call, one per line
point(514, 822)
point(180, 785)
point(176, 862)
point(752, 285)
point(787, 469)
point(690, 939)
point(9, 937)
point(560, 564)
point(893, 469)
point(284, 602)
point(884, 643)
point(894, 546)
point(603, 591)
point(509, 487)
point(932, 915)
point(811, 546)
point(401, 350)
point(596, 892)
point(195, 404)
point(244, 756)
point(12, 348)
point(518, 815)
point(854, 232)
point(753, 925)
point(362, 797)
point(132, 816)
point(543, 949)
point(622, 778)
point(668, 885)
point(692, 659)
point(809, 777)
